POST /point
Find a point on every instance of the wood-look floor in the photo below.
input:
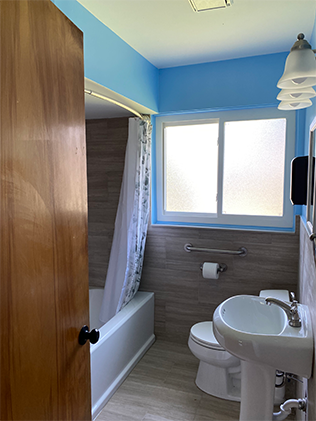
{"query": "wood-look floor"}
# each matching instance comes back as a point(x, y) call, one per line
point(161, 388)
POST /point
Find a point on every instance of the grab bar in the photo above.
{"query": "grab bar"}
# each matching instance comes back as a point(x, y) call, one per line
point(242, 252)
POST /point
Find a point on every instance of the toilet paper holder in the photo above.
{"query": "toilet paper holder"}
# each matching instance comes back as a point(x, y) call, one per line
point(222, 267)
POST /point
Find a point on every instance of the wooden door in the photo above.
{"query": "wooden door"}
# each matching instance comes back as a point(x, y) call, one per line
point(45, 373)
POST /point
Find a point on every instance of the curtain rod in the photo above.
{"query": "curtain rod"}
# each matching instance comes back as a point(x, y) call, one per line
point(113, 101)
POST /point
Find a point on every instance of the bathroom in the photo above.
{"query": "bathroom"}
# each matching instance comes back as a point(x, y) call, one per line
point(275, 260)
point(182, 296)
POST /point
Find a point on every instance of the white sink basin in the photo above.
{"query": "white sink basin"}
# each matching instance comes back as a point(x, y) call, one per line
point(256, 332)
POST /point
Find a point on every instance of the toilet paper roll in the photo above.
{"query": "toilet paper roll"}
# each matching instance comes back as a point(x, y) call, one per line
point(210, 270)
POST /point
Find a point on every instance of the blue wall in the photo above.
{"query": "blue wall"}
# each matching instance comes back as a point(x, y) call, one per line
point(246, 82)
point(240, 83)
point(231, 84)
point(111, 62)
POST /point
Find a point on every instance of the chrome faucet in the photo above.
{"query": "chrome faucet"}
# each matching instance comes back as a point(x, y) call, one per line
point(291, 310)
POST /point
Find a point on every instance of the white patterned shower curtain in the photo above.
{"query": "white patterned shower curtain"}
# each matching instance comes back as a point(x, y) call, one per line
point(127, 252)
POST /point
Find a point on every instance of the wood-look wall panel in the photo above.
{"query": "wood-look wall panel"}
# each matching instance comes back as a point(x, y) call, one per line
point(106, 145)
point(45, 373)
point(307, 295)
point(183, 297)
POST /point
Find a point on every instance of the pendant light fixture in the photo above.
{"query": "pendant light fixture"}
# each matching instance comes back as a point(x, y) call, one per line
point(297, 94)
point(299, 76)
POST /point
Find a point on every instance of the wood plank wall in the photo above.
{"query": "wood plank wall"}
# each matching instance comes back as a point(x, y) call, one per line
point(307, 295)
point(106, 144)
point(182, 296)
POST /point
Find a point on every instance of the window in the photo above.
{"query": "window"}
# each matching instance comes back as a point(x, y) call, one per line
point(254, 156)
point(190, 157)
point(227, 168)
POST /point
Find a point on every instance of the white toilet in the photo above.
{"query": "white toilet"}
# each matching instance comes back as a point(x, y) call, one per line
point(219, 372)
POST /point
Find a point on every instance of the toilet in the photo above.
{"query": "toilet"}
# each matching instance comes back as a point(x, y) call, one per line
point(219, 372)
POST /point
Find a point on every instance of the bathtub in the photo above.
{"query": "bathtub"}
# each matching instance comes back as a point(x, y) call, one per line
point(123, 341)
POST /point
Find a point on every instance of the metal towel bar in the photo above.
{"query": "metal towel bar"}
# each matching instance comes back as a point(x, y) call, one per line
point(242, 252)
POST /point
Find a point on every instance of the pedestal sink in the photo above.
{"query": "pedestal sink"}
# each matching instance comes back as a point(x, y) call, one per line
point(260, 335)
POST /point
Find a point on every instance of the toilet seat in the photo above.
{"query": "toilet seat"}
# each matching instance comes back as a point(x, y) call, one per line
point(202, 334)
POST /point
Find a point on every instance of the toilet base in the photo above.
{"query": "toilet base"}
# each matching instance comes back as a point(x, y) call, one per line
point(227, 384)
point(218, 382)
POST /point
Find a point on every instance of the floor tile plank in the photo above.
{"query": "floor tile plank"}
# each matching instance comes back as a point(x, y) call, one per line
point(162, 388)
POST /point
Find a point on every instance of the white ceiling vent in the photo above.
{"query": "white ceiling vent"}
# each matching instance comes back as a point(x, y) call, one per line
point(203, 5)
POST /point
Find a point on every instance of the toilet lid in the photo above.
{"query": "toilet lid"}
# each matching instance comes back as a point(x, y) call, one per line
point(202, 333)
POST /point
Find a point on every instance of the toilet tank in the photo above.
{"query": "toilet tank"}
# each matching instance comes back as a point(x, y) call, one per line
point(280, 294)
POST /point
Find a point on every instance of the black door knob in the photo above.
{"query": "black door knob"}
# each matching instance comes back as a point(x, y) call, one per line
point(85, 335)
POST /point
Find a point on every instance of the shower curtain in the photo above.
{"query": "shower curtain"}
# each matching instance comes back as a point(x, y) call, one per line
point(127, 252)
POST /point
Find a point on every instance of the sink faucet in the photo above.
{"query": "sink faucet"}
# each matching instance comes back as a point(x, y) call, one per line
point(291, 310)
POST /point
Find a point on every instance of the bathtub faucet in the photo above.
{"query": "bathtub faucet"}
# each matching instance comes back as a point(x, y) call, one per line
point(291, 310)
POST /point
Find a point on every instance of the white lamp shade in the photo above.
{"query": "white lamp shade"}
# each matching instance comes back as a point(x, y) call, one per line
point(296, 94)
point(294, 105)
point(299, 71)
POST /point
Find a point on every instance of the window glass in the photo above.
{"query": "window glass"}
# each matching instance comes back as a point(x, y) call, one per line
point(254, 155)
point(224, 169)
point(191, 156)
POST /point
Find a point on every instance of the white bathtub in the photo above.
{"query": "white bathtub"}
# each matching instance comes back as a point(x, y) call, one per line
point(123, 341)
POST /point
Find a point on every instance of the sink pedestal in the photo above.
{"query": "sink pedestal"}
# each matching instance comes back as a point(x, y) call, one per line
point(262, 337)
point(257, 392)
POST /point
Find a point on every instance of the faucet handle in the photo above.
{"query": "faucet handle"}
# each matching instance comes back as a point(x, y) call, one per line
point(295, 320)
point(292, 296)
point(294, 306)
